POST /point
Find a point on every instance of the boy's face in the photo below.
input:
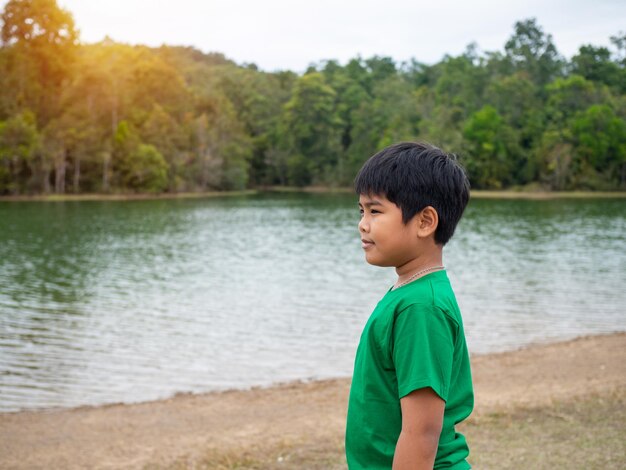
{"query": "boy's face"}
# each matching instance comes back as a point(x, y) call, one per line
point(386, 240)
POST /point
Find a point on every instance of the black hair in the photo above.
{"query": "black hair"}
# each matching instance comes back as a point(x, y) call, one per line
point(414, 175)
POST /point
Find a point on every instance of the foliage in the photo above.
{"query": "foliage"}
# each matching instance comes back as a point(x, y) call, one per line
point(113, 117)
point(532, 51)
point(310, 129)
point(492, 149)
point(144, 169)
point(19, 141)
point(599, 139)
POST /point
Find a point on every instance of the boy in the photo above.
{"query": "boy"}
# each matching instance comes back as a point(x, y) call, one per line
point(412, 382)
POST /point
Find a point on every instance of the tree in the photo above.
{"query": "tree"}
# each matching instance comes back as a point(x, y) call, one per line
point(109, 116)
point(441, 125)
point(568, 95)
point(207, 165)
point(19, 140)
point(460, 83)
point(619, 42)
point(533, 51)
point(349, 94)
point(599, 138)
point(379, 69)
point(311, 130)
point(221, 147)
point(594, 63)
point(57, 137)
point(350, 98)
point(514, 96)
point(89, 104)
point(257, 99)
point(145, 169)
point(554, 154)
point(161, 130)
point(491, 162)
point(153, 81)
point(45, 38)
point(109, 87)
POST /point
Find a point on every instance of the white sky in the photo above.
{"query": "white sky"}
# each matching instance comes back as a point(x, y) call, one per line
point(291, 34)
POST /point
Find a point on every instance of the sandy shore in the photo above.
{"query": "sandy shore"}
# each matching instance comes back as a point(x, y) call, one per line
point(297, 425)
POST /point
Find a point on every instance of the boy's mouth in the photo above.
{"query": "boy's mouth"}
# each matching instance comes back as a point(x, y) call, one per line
point(365, 244)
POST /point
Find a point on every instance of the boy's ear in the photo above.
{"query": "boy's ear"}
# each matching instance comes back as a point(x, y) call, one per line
point(427, 221)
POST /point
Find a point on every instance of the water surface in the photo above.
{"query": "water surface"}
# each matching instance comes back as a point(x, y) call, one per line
point(129, 301)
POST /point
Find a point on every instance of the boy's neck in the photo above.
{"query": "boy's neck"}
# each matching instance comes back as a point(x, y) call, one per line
point(432, 258)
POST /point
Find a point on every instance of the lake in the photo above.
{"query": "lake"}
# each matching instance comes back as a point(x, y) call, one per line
point(127, 301)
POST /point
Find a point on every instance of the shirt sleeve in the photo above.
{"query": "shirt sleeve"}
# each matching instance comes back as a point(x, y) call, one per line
point(423, 349)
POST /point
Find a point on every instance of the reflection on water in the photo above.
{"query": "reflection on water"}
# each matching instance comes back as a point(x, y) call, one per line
point(130, 301)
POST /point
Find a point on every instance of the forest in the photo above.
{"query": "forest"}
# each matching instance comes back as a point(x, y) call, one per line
point(117, 118)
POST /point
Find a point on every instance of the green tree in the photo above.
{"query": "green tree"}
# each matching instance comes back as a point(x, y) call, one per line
point(152, 81)
point(379, 69)
point(221, 148)
point(441, 125)
point(514, 96)
point(566, 96)
point(145, 169)
point(105, 116)
point(532, 51)
point(311, 131)
point(594, 63)
point(257, 99)
point(109, 85)
point(491, 162)
point(87, 104)
point(161, 130)
point(460, 83)
point(349, 94)
point(58, 137)
point(126, 142)
point(599, 138)
point(516, 99)
point(619, 42)
point(45, 39)
point(555, 156)
point(19, 141)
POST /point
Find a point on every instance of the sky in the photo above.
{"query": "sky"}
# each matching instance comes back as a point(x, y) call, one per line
point(291, 34)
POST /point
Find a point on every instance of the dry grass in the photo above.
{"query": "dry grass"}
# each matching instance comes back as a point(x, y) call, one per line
point(286, 455)
point(587, 433)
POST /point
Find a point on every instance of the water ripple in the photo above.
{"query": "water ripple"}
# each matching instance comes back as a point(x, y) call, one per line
point(120, 302)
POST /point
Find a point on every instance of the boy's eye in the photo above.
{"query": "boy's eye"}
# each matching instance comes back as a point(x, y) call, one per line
point(374, 211)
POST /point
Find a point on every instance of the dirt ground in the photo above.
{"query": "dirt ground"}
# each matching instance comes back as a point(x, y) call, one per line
point(569, 395)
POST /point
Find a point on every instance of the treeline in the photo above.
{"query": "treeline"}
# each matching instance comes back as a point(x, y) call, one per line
point(111, 117)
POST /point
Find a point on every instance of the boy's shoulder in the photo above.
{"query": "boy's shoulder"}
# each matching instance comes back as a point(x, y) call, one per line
point(427, 298)
point(432, 293)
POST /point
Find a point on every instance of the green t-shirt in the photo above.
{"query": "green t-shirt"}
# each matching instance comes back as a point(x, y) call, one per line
point(413, 339)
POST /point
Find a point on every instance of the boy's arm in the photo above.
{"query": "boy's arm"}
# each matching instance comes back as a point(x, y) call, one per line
point(422, 420)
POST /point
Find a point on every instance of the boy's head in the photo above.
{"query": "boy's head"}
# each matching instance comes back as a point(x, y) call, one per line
point(413, 176)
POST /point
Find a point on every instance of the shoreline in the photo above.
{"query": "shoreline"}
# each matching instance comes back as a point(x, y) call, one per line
point(240, 428)
point(123, 196)
point(293, 383)
point(477, 194)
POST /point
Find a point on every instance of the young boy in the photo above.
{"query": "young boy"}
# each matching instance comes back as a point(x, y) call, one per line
point(412, 382)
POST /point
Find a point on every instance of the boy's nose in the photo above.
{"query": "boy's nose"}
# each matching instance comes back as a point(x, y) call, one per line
point(363, 226)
